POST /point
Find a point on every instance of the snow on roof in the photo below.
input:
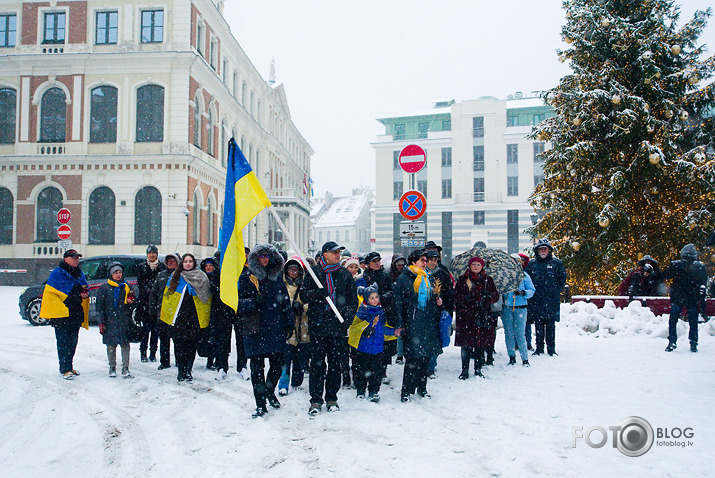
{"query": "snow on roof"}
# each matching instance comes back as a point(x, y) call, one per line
point(343, 211)
point(525, 103)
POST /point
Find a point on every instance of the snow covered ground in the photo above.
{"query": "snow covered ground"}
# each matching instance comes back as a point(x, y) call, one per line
point(516, 422)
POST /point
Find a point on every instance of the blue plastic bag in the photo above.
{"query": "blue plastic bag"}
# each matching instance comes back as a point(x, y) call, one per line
point(445, 326)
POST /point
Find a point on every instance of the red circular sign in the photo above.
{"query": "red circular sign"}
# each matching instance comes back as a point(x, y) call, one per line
point(64, 232)
point(413, 205)
point(63, 215)
point(412, 159)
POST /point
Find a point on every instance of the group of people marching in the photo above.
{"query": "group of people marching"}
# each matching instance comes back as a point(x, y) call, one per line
point(330, 317)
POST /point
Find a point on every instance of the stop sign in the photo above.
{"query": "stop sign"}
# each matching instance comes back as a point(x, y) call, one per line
point(64, 232)
point(63, 215)
point(412, 159)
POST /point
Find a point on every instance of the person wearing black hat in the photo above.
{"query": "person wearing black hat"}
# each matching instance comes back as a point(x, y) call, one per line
point(65, 303)
point(115, 301)
point(171, 261)
point(220, 322)
point(327, 334)
point(549, 277)
point(147, 273)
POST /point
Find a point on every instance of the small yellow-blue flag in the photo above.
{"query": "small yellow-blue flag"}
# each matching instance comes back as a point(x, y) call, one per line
point(244, 199)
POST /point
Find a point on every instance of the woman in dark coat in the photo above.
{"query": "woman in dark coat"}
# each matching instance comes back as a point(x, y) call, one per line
point(474, 294)
point(262, 296)
point(417, 312)
point(114, 308)
point(220, 322)
point(186, 306)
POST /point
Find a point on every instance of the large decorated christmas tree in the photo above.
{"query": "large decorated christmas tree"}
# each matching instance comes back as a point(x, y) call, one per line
point(631, 169)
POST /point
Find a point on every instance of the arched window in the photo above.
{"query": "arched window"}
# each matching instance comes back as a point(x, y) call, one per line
point(197, 122)
point(196, 218)
point(147, 216)
point(6, 213)
point(103, 115)
point(210, 223)
point(210, 127)
point(49, 202)
point(101, 216)
point(8, 114)
point(150, 114)
point(53, 116)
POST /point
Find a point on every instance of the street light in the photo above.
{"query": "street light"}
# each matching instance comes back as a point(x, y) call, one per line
point(534, 219)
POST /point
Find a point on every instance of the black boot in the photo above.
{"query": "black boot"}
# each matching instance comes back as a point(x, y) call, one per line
point(693, 346)
point(273, 401)
point(671, 346)
point(512, 360)
point(260, 411)
point(143, 356)
point(490, 357)
point(478, 363)
point(465, 369)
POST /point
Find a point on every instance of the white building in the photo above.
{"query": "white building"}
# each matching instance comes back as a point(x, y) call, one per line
point(345, 220)
point(121, 112)
point(481, 169)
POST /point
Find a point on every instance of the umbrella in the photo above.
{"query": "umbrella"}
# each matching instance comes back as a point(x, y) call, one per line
point(506, 272)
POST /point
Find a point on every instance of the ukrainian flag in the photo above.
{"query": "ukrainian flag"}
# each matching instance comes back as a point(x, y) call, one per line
point(57, 289)
point(244, 199)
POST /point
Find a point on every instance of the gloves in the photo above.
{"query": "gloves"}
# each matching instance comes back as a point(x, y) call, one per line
point(368, 332)
point(289, 332)
point(519, 292)
point(102, 329)
point(259, 300)
point(297, 307)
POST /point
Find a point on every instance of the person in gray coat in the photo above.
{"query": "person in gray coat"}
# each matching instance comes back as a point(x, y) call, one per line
point(115, 301)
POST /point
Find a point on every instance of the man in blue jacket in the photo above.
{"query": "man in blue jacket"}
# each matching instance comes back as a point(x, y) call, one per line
point(549, 277)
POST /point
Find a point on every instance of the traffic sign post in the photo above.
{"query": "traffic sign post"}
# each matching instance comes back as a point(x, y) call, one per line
point(412, 159)
point(64, 215)
point(412, 205)
point(64, 232)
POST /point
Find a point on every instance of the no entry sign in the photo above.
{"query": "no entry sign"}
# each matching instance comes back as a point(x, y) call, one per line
point(412, 159)
point(413, 205)
point(63, 215)
point(64, 232)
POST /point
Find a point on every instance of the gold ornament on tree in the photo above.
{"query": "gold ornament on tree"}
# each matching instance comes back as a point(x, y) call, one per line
point(683, 115)
point(693, 79)
point(654, 158)
point(604, 222)
point(668, 114)
point(576, 245)
point(616, 99)
point(675, 49)
point(605, 23)
point(577, 121)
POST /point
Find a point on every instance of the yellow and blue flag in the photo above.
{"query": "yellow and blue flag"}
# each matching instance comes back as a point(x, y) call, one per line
point(58, 287)
point(244, 199)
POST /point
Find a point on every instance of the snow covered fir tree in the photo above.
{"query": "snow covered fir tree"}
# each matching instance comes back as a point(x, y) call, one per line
point(631, 169)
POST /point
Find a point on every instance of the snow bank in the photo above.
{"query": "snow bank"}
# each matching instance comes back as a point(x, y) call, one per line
point(587, 318)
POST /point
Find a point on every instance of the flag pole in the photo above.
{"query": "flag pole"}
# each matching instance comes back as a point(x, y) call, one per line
point(295, 247)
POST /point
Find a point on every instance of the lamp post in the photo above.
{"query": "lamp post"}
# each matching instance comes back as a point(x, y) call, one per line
point(534, 219)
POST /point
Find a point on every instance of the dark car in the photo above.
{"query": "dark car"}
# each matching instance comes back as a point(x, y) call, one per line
point(96, 270)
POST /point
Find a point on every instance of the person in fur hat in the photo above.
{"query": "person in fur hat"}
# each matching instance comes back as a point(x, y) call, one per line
point(296, 357)
point(265, 309)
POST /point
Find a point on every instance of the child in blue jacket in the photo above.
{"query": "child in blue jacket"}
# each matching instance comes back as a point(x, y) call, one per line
point(367, 336)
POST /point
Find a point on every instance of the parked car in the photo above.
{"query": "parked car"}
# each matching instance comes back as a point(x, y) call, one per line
point(96, 270)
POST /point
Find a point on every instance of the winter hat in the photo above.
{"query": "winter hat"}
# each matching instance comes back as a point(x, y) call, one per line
point(543, 243)
point(349, 261)
point(689, 252)
point(433, 245)
point(648, 268)
point(208, 260)
point(473, 260)
point(365, 292)
point(172, 255)
point(524, 257)
point(331, 246)
point(115, 266)
point(415, 256)
point(71, 253)
point(432, 254)
point(152, 248)
point(346, 253)
point(372, 256)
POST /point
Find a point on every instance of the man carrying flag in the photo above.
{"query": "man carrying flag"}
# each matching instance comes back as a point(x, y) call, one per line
point(244, 199)
point(65, 302)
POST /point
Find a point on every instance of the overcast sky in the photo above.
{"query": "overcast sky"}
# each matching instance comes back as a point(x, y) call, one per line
point(344, 64)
